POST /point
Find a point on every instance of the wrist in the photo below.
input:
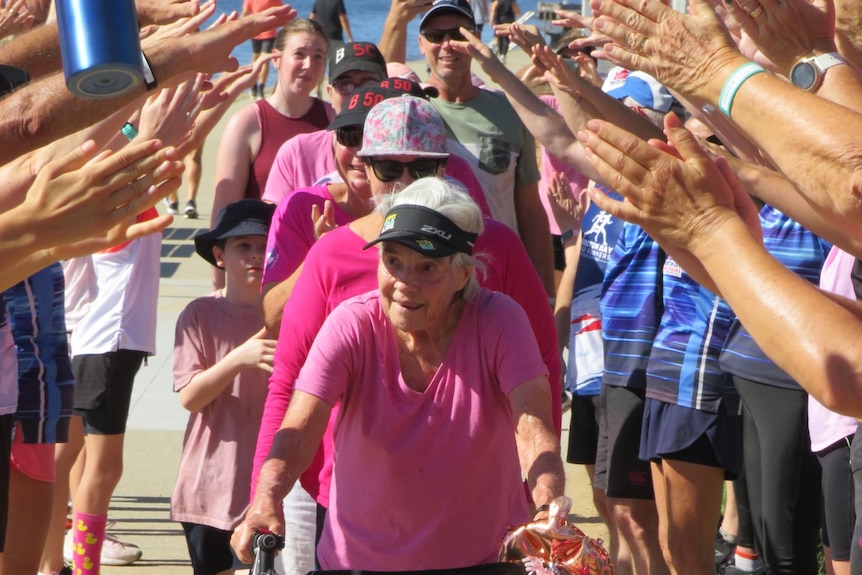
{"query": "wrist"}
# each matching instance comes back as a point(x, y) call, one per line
point(722, 230)
point(727, 62)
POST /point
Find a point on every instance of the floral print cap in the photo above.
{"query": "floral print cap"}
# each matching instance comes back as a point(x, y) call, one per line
point(404, 126)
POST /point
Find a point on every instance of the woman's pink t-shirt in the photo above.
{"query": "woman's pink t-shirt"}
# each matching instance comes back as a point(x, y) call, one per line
point(422, 480)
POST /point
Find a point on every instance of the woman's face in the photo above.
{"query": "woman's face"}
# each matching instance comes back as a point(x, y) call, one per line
point(302, 62)
point(417, 291)
point(352, 170)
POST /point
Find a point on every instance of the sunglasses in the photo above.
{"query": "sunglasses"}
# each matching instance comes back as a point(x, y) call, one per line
point(436, 36)
point(349, 136)
point(346, 87)
point(391, 170)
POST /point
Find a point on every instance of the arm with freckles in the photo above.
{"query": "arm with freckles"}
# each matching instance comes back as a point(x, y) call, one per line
point(538, 446)
point(292, 451)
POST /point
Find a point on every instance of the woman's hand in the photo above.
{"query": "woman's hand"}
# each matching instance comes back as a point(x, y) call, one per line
point(674, 190)
point(170, 114)
point(570, 19)
point(258, 518)
point(785, 31)
point(567, 208)
point(323, 222)
point(15, 18)
point(87, 203)
point(525, 36)
point(685, 52)
point(558, 74)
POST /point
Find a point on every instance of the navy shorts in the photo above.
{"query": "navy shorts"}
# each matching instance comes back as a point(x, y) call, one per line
point(103, 389)
point(684, 434)
point(619, 471)
point(584, 430)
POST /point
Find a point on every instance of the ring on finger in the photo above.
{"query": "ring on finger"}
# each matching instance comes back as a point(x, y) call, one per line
point(641, 44)
point(756, 12)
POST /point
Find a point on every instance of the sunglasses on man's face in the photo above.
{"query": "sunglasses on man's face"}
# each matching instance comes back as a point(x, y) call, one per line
point(349, 136)
point(346, 87)
point(436, 36)
point(391, 170)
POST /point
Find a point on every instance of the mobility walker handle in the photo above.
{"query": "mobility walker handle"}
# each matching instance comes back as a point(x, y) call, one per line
point(264, 545)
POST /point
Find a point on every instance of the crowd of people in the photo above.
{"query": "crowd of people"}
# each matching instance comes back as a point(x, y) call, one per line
point(412, 278)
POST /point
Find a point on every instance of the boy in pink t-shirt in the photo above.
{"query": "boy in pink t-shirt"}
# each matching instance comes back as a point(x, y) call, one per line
point(222, 360)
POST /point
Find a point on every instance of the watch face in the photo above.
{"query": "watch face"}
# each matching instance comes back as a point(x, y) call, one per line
point(803, 75)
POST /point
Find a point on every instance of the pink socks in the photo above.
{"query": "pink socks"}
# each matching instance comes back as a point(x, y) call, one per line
point(87, 542)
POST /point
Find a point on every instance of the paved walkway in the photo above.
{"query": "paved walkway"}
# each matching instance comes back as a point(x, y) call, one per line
point(141, 502)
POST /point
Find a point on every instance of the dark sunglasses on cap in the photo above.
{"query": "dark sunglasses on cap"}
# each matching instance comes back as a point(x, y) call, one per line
point(436, 36)
point(391, 170)
point(349, 136)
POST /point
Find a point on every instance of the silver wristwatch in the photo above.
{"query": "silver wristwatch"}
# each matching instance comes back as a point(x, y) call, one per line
point(808, 72)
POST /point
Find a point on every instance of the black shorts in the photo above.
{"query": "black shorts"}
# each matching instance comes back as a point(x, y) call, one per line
point(619, 471)
point(209, 550)
point(262, 46)
point(7, 424)
point(685, 434)
point(559, 253)
point(584, 429)
point(103, 389)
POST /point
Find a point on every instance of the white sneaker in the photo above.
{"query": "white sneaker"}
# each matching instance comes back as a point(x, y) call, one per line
point(173, 208)
point(114, 551)
point(117, 552)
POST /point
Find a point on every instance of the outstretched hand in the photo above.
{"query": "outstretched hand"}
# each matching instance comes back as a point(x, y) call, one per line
point(674, 190)
point(685, 52)
point(785, 31)
point(15, 18)
point(86, 203)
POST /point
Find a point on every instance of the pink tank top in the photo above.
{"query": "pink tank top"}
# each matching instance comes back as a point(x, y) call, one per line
point(276, 129)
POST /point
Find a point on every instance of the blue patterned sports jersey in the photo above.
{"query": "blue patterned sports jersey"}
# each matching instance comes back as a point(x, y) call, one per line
point(804, 254)
point(45, 382)
point(586, 357)
point(683, 367)
point(631, 307)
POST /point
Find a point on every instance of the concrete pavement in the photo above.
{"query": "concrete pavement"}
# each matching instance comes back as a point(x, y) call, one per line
point(141, 502)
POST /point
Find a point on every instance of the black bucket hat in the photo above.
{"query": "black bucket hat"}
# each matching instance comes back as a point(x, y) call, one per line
point(241, 218)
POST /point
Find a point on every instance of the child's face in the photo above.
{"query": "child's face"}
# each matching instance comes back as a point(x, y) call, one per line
point(242, 259)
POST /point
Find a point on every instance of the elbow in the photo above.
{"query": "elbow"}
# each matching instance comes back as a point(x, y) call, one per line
point(190, 402)
point(840, 386)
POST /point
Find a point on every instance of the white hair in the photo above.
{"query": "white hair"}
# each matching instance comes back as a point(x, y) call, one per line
point(451, 200)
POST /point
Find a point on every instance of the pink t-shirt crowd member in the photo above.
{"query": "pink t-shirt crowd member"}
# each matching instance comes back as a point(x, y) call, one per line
point(336, 269)
point(423, 480)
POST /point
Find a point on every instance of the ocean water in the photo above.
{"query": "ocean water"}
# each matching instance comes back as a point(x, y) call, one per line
point(366, 23)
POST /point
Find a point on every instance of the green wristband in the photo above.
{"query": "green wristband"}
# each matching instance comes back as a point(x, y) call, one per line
point(733, 83)
point(129, 131)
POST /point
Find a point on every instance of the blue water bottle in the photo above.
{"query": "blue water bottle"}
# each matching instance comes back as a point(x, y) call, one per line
point(101, 46)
